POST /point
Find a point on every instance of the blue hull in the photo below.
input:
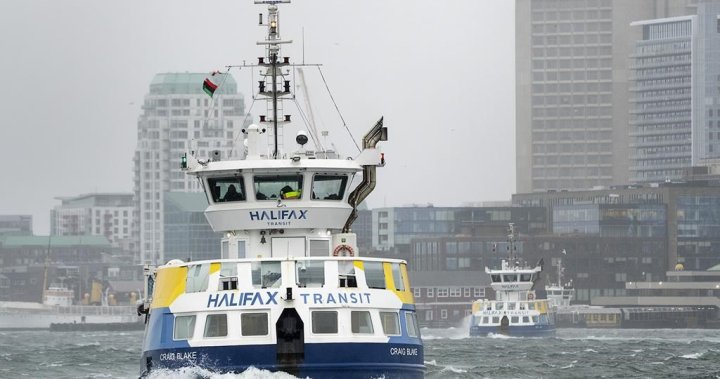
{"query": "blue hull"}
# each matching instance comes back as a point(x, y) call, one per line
point(327, 360)
point(514, 331)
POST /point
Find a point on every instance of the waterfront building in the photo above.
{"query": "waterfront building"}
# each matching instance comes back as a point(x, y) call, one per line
point(393, 229)
point(572, 88)
point(70, 260)
point(16, 224)
point(177, 111)
point(95, 214)
point(683, 214)
point(675, 112)
point(442, 301)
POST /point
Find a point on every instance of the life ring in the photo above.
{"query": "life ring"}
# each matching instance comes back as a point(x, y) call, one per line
point(531, 296)
point(346, 248)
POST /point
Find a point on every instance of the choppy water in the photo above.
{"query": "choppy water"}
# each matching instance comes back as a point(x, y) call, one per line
point(449, 353)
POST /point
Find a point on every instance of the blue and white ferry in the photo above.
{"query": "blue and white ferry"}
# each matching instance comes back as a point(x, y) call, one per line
point(291, 291)
point(516, 310)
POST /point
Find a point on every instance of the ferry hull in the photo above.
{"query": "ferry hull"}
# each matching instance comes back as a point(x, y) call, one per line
point(320, 360)
point(42, 319)
point(514, 331)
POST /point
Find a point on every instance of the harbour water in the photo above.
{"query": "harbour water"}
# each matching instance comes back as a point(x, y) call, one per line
point(449, 353)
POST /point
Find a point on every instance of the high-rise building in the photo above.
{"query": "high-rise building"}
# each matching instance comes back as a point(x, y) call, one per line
point(675, 86)
point(95, 214)
point(572, 88)
point(177, 117)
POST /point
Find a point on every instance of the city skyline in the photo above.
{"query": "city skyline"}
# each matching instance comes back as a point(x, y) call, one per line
point(80, 77)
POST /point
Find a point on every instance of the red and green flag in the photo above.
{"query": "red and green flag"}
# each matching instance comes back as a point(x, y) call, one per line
point(209, 87)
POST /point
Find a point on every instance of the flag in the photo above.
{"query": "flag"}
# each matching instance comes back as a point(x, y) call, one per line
point(209, 87)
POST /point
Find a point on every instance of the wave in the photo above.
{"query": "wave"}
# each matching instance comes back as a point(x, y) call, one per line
point(197, 372)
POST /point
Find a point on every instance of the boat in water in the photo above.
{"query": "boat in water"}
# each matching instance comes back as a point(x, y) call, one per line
point(517, 310)
point(290, 292)
point(59, 308)
point(560, 294)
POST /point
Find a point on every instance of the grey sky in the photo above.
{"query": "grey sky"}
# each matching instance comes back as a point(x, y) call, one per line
point(441, 72)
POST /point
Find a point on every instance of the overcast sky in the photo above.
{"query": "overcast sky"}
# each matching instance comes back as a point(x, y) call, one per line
point(75, 72)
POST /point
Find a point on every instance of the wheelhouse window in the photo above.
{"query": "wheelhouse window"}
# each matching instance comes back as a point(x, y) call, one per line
point(525, 277)
point(227, 189)
point(254, 324)
point(273, 187)
point(329, 187)
point(324, 322)
point(216, 325)
point(390, 323)
point(361, 322)
point(509, 278)
point(184, 327)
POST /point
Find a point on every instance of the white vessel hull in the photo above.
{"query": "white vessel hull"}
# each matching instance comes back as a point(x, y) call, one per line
point(16, 315)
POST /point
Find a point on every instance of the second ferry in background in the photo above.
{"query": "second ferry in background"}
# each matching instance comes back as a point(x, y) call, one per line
point(516, 310)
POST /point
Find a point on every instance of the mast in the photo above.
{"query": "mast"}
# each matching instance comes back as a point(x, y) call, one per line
point(273, 70)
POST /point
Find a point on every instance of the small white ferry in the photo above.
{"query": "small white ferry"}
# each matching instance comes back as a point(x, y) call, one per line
point(560, 294)
point(516, 310)
point(291, 291)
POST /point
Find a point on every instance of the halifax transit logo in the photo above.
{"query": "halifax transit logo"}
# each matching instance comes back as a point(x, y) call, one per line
point(279, 217)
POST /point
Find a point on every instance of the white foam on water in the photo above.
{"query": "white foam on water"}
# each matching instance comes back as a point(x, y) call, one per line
point(453, 369)
point(571, 365)
point(501, 336)
point(195, 372)
point(431, 363)
point(693, 356)
point(588, 350)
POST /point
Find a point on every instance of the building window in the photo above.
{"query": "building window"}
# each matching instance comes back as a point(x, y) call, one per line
point(443, 314)
point(466, 292)
point(442, 292)
point(431, 292)
point(455, 292)
point(417, 292)
point(479, 292)
point(428, 315)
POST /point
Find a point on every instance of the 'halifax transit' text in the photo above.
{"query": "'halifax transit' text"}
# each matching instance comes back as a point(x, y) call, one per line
point(242, 299)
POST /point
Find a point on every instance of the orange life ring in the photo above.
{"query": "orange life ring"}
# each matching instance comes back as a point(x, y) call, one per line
point(341, 248)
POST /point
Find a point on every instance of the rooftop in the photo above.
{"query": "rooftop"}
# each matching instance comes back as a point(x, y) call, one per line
point(187, 83)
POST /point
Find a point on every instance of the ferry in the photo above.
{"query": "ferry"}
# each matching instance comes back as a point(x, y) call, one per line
point(516, 310)
point(58, 308)
point(560, 294)
point(290, 292)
